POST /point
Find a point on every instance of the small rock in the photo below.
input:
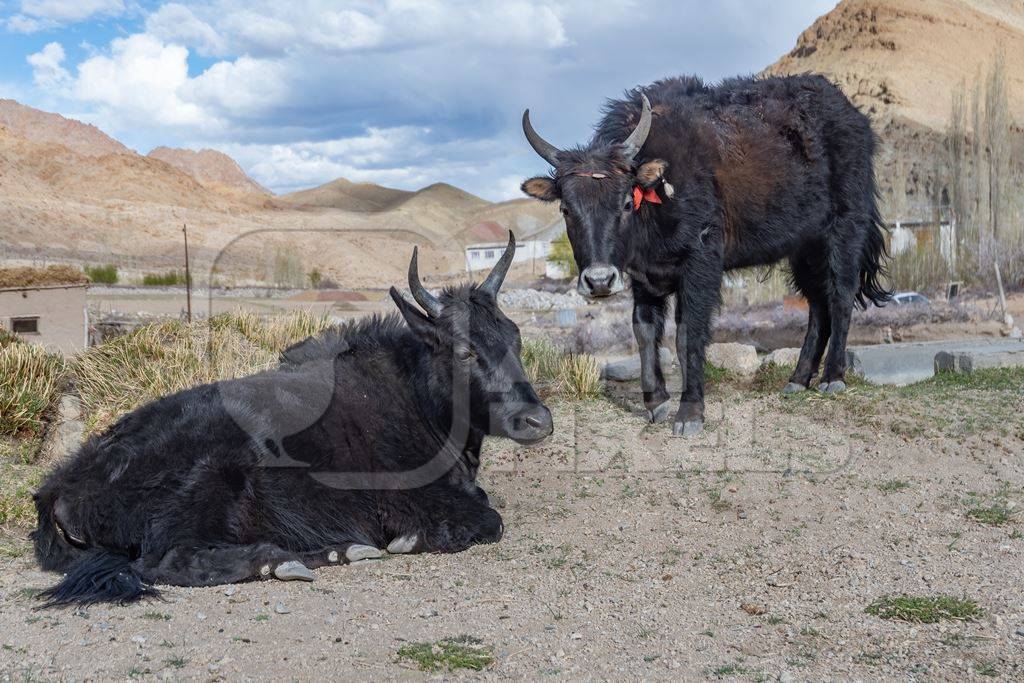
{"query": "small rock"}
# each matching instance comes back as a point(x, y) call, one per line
point(230, 590)
point(787, 356)
point(628, 369)
point(139, 640)
point(201, 616)
point(1020, 632)
point(280, 608)
point(737, 358)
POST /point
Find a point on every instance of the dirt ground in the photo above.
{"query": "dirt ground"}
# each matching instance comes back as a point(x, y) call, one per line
point(750, 552)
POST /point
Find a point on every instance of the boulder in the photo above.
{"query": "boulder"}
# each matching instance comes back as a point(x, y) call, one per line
point(782, 357)
point(740, 359)
point(628, 369)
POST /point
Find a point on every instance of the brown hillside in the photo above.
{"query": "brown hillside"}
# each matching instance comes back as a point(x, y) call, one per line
point(901, 61)
point(906, 57)
point(348, 196)
point(209, 167)
point(40, 126)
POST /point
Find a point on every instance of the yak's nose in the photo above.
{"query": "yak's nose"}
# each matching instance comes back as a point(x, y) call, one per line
point(532, 424)
point(599, 280)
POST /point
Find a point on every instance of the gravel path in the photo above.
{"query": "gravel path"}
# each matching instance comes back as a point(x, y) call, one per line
point(749, 553)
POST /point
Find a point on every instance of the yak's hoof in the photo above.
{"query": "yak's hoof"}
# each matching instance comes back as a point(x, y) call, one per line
point(793, 388)
point(660, 413)
point(832, 387)
point(688, 428)
point(293, 570)
point(402, 544)
point(358, 552)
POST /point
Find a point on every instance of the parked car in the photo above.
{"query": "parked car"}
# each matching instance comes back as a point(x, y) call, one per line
point(910, 299)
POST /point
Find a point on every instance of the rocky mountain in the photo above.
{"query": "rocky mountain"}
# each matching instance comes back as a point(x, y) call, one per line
point(210, 167)
point(902, 62)
point(906, 57)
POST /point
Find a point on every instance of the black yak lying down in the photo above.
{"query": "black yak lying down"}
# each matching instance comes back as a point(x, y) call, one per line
point(364, 439)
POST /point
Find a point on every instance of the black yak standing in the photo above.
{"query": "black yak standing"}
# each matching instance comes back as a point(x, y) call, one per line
point(683, 181)
point(216, 484)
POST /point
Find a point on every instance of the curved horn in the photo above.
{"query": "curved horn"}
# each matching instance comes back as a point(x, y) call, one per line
point(545, 149)
point(493, 282)
point(637, 138)
point(424, 298)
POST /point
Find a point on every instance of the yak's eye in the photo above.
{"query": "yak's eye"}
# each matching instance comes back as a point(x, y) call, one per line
point(465, 354)
point(564, 209)
point(628, 206)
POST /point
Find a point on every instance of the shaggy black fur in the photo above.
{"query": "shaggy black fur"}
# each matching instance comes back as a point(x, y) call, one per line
point(763, 169)
point(365, 434)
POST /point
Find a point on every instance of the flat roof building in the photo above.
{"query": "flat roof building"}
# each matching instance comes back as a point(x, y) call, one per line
point(46, 306)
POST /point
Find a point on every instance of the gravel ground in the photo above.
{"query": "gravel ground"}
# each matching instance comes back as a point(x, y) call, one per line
point(750, 553)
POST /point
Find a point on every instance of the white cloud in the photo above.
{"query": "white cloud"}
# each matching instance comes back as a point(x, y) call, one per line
point(19, 23)
point(244, 87)
point(36, 15)
point(174, 23)
point(47, 67)
point(140, 80)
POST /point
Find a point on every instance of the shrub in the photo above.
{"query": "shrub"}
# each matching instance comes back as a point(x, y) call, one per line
point(561, 255)
point(168, 279)
point(106, 275)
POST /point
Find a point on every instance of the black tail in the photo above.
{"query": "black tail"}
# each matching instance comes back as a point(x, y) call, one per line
point(872, 266)
point(99, 576)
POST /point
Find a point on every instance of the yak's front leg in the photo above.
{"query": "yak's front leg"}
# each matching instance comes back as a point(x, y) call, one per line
point(441, 519)
point(648, 327)
point(696, 302)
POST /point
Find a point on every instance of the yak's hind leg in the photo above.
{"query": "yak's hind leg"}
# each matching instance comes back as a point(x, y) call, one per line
point(844, 251)
point(809, 276)
point(213, 566)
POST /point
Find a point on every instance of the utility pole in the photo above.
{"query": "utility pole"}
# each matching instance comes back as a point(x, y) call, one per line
point(188, 275)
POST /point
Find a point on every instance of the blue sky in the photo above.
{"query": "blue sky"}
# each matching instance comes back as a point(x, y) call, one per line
point(398, 92)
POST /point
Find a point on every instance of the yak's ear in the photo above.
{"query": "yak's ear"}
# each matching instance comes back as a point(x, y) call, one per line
point(541, 187)
point(420, 324)
point(651, 172)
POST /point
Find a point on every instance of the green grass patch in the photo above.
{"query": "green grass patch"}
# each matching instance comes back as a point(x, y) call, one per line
point(168, 279)
point(449, 654)
point(925, 610)
point(18, 481)
point(770, 377)
point(104, 275)
point(714, 375)
point(893, 486)
point(993, 515)
point(157, 616)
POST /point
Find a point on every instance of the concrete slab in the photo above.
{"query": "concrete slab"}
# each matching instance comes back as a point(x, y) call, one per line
point(969, 361)
point(901, 364)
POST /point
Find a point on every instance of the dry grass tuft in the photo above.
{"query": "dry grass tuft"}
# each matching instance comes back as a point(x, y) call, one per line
point(579, 377)
point(276, 333)
point(555, 372)
point(30, 383)
point(25, 276)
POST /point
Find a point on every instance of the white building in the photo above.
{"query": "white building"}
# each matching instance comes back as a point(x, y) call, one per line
point(46, 306)
point(535, 246)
